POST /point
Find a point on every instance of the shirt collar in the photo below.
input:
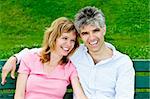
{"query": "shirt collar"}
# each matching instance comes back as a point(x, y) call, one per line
point(85, 49)
point(108, 45)
point(112, 48)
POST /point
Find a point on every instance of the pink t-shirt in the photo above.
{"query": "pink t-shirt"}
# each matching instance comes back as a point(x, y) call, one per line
point(42, 86)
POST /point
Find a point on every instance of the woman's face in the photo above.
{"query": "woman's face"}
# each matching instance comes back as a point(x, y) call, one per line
point(65, 43)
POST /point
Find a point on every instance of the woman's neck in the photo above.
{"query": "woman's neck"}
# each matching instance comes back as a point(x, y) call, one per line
point(54, 59)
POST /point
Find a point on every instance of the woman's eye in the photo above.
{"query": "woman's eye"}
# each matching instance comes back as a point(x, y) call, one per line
point(73, 40)
point(65, 38)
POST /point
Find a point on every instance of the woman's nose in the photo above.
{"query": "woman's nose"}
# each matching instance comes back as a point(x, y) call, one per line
point(68, 43)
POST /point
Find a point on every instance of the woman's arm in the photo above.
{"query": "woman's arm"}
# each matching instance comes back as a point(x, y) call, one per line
point(77, 89)
point(20, 86)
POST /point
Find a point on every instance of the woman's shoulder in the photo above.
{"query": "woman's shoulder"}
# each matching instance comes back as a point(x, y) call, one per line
point(30, 56)
point(70, 65)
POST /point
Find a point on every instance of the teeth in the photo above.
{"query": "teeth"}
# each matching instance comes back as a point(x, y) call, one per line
point(66, 49)
point(93, 42)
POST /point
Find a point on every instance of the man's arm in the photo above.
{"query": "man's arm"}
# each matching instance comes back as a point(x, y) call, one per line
point(125, 81)
point(10, 65)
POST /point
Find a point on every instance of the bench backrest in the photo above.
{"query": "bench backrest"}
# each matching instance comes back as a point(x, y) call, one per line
point(142, 80)
point(142, 84)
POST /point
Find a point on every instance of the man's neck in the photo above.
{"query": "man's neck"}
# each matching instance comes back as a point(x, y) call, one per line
point(102, 54)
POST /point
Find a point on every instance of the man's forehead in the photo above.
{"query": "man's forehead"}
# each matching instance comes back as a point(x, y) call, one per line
point(89, 27)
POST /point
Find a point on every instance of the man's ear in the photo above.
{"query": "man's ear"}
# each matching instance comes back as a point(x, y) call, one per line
point(104, 30)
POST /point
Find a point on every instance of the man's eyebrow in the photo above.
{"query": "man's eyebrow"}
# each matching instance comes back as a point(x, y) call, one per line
point(84, 32)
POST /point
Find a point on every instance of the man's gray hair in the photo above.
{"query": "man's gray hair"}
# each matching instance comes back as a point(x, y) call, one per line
point(89, 15)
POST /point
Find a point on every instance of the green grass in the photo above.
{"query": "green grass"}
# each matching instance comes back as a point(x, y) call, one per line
point(22, 23)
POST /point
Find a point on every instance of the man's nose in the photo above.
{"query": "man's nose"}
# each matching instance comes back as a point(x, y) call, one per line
point(91, 36)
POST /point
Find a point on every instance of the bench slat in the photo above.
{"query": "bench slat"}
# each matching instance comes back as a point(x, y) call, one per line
point(142, 66)
point(142, 95)
point(7, 97)
point(2, 62)
point(8, 86)
point(142, 81)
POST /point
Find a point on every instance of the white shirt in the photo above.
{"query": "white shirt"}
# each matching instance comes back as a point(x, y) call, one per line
point(111, 78)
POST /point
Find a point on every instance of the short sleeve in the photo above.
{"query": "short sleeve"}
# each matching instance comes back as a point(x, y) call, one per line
point(21, 54)
point(73, 72)
point(24, 65)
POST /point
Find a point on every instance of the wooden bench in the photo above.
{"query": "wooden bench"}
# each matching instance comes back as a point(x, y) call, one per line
point(142, 83)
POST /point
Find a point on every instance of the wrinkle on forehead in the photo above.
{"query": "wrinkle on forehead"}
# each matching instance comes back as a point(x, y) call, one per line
point(89, 25)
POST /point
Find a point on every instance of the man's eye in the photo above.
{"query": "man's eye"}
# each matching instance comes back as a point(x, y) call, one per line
point(96, 30)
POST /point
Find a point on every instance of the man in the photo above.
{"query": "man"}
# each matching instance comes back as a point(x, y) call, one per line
point(104, 72)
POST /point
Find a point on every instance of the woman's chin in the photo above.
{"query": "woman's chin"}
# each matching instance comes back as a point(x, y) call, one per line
point(64, 54)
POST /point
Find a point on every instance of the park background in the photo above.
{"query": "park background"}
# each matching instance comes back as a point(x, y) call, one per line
point(23, 22)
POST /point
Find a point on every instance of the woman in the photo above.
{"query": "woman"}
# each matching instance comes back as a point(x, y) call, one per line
point(48, 73)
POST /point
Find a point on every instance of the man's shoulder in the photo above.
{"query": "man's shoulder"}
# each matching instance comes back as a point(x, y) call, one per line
point(122, 55)
point(117, 54)
point(79, 53)
point(81, 49)
point(123, 60)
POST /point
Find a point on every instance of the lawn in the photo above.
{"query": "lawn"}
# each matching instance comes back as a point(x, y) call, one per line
point(22, 23)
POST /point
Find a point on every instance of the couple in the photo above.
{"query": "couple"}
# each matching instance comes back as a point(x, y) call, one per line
point(104, 72)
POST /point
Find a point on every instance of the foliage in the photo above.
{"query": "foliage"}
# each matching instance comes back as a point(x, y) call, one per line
point(22, 23)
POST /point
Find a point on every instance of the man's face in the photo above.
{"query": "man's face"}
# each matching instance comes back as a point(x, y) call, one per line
point(93, 37)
